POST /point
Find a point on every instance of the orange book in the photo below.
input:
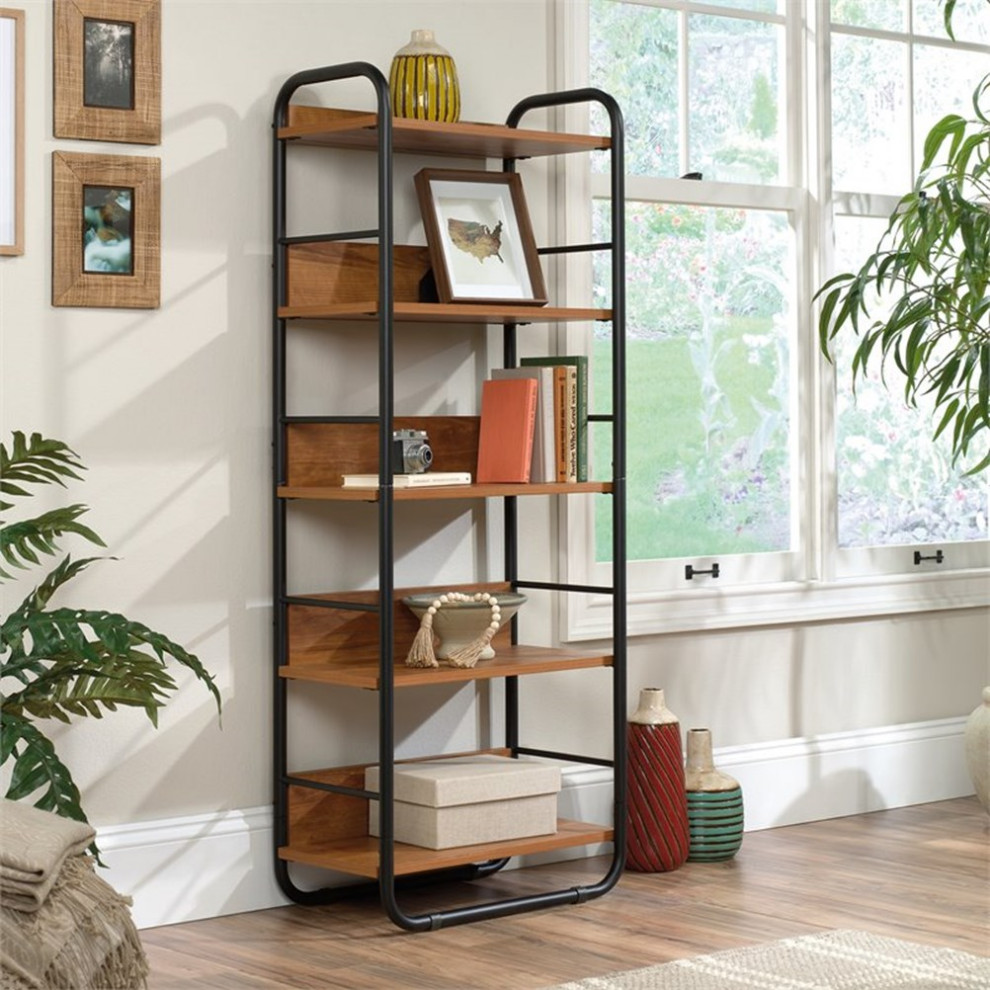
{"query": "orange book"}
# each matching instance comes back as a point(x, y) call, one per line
point(505, 441)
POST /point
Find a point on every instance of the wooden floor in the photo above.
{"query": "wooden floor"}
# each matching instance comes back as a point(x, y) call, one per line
point(920, 873)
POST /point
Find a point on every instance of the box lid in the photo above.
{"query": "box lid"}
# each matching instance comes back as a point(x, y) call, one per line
point(468, 780)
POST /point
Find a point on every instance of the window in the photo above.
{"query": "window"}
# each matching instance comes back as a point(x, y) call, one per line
point(894, 488)
point(747, 184)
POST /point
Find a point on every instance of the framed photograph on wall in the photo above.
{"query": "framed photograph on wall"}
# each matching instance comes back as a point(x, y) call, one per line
point(480, 238)
point(106, 231)
point(11, 131)
point(108, 70)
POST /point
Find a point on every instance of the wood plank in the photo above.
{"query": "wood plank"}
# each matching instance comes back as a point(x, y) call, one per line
point(335, 274)
point(338, 494)
point(512, 661)
point(417, 312)
point(340, 645)
point(359, 856)
point(319, 454)
point(341, 639)
point(335, 128)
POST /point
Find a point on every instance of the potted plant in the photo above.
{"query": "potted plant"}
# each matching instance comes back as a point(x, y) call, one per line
point(65, 662)
point(920, 304)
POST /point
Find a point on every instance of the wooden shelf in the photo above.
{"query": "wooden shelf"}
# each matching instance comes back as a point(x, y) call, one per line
point(414, 312)
point(356, 129)
point(331, 493)
point(509, 661)
point(359, 855)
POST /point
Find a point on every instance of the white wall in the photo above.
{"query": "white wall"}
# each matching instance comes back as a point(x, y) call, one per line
point(170, 410)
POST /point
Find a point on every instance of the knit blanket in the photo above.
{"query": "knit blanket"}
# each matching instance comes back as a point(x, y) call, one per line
point(33, 846)
point(81, 938)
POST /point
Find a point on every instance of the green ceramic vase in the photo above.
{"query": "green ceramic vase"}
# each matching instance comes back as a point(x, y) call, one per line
point(714, 802)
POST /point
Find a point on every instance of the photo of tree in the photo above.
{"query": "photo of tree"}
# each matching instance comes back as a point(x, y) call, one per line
point(108, 64)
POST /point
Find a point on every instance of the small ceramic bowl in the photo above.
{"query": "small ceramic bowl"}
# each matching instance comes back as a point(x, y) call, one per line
point(457, 624)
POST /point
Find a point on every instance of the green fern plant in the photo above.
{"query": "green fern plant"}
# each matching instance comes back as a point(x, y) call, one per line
point(61, 663)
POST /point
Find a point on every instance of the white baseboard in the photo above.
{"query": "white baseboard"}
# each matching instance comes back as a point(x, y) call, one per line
point(205, 866)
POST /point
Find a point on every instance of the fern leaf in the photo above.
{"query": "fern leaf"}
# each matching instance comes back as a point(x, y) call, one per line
point(36, 461)
point(105, 656)
point(19, 541)
point(37, 768)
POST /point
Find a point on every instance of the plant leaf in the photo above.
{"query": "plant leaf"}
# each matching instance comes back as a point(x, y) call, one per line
point(38, 768)
point(22, 541)
point(36, 461)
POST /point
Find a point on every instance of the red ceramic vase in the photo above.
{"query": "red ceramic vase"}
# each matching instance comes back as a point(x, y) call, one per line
point(657, 835)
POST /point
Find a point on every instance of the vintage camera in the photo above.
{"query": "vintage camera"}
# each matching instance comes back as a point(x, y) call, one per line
point(411, 452)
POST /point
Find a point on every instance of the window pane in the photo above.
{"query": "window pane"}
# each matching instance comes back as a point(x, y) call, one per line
point(634, 58)
point(760, 6)
point(894, 485)
point(890, 15)
point(944, 82)
point(970, 20)
point(735, 110)
point(708, 381)
point(870, 145)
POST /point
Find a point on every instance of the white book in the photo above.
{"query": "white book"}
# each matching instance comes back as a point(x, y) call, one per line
point(426, 479)
point(544, 466)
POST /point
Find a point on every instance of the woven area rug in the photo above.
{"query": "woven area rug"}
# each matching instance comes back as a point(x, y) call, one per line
point(838, 960)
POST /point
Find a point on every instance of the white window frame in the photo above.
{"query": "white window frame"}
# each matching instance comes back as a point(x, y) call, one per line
point(811, 586)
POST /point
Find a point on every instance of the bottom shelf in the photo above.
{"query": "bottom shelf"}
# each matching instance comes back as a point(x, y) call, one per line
point(359, 855)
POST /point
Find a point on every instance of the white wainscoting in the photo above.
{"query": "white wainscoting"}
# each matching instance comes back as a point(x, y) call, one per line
point(208, 865)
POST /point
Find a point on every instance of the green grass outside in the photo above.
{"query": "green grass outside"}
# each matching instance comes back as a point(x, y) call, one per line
point(671, 512)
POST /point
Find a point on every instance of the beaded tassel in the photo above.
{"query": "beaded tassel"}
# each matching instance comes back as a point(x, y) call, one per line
point(422, 652)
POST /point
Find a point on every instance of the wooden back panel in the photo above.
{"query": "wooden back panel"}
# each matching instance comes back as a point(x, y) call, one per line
point(319, 453)
point(338, 636)
point(347, 272)
point(318, 817)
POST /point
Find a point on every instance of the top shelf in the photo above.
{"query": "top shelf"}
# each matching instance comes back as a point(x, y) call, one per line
point(335, 128)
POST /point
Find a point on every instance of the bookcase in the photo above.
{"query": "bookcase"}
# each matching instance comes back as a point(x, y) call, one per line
point(350, 639)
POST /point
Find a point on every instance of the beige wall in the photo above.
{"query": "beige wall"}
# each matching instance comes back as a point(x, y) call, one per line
point(170, 410)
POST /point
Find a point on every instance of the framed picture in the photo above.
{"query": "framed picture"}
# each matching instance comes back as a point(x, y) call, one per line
point(106, 230)
point(11, 131)
point(480, 238)
point(108, 70)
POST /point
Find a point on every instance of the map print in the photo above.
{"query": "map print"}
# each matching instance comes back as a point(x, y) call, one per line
point(476, 239)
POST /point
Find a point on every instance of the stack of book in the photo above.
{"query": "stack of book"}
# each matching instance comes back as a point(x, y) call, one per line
point(534, 422)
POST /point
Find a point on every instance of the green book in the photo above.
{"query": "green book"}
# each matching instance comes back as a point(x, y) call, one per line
point(580, 362)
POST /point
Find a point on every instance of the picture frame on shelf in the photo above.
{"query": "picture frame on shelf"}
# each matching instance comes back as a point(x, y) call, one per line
point(480, 237)
point(11, 131)
point(107, 57)
point(106, 230)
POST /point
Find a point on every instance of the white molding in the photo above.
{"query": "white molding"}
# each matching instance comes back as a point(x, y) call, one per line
point(707, 608)
point(204, 866)
point(200, 866)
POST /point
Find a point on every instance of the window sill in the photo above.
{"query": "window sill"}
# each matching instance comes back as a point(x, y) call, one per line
point(791, 603)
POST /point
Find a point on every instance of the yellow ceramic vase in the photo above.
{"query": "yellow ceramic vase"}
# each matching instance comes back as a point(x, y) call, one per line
point(423, 81)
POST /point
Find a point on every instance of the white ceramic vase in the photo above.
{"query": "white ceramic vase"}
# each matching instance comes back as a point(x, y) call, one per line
point(977, 739)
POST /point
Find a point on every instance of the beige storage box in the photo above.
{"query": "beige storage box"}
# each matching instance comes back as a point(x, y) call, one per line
point(465, 800)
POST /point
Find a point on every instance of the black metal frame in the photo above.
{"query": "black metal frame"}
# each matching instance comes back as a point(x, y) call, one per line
point(388, 884)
